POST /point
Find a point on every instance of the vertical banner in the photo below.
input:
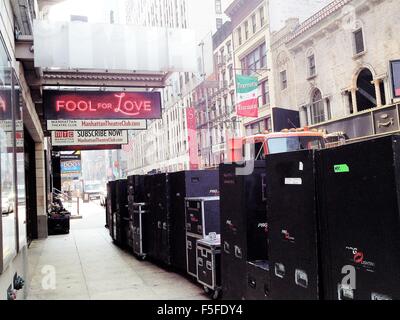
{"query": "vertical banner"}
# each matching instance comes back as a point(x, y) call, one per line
point(192, 138)
point(247, 96)
point(395, 66)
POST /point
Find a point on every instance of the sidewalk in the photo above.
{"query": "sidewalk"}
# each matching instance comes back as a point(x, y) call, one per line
point(88, 265)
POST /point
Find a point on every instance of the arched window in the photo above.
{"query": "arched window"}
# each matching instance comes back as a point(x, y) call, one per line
point(366, 94)
point(317, 107)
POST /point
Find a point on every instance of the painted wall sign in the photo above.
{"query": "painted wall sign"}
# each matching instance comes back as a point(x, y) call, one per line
point(64, 105)
point(89, 137)
point(125, 124)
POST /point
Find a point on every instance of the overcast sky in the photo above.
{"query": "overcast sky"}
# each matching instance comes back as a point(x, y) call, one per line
point(93, 9)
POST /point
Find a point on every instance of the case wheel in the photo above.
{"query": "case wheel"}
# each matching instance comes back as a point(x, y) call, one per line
point(215, 294)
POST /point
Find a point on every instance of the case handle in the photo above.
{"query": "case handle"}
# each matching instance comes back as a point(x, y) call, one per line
point(238, 252)
point(227, 247)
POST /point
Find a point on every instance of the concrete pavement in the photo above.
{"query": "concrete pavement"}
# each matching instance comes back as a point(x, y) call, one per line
point(86, 265)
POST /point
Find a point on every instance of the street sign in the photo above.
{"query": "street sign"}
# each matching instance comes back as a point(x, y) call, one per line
point(89, 137)
point(66, 105)
point(54, 125)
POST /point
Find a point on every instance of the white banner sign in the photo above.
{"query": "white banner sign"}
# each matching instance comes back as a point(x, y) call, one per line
point(54, 125)
point(89, 137)
point(7, 125)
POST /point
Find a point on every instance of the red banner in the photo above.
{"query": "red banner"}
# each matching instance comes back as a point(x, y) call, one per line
point(64, 105)
point(192, 138)
point(248, 108)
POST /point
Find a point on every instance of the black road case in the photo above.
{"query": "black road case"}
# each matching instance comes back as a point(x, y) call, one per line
point(110, 207)
point(258, 280)
point(202, 216)
point(360, 227)
point(209, 264)
point(243, 225)
point(191, 254)
point(292, 223)
point(121, 195)
point(58, 224)
point(140, 239)
point(199, 183)
point(159, 208)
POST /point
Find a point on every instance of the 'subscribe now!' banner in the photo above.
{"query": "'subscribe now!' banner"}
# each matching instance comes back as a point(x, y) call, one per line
point(89, 137)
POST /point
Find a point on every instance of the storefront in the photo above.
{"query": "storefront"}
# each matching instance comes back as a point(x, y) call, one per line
point(12, 164)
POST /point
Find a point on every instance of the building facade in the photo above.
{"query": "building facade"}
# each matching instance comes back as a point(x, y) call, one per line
point(23, 148)
point(335, 68)
point(164, 146)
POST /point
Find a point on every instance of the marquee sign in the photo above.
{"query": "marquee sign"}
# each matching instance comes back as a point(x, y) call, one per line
point(65, 105)
point(89, 137)
point(124, 124)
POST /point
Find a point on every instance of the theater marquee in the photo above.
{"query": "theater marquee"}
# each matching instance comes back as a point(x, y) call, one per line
point(65, 105)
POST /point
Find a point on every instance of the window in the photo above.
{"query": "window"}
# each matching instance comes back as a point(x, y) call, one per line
point(239, 32)
point(229, 47)
point(7, 164)
point(317, 107)
point(328, 108)
point(262, 17)
point(280, 145)
point(230, 72)
point(265, 99)
point(218, 7)
point(246, 30)
point(254, 23)
point(358, 41)
point(219, 23)
point(255, 60)
point(268, 125)
point(284, 82)
point(233, 102)
point(311, 66)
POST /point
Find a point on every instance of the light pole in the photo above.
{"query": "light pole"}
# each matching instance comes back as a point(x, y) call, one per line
point(207, 115)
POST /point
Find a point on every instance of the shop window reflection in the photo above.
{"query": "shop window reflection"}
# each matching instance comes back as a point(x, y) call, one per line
point(7, 167)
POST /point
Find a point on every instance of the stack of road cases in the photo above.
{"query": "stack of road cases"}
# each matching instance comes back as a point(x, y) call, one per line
point(359, 213)
point(198, 183)
point(159, 208)
point(209, 264)
point(243, 225)
point(202, 218)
